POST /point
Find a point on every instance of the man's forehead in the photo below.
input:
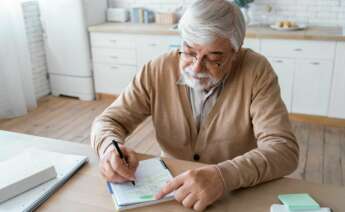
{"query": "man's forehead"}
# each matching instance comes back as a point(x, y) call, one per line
point(217, 46)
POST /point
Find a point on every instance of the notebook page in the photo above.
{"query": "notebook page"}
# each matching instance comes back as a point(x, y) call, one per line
point(151, 176)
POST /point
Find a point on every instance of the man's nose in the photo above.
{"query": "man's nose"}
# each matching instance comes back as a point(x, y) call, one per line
point(197, 67)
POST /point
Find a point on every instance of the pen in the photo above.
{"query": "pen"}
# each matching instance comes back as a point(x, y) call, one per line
point(121, 155)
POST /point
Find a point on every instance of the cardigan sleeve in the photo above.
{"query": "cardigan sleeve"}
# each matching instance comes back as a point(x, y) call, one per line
point(277, 150)
point(128, 110)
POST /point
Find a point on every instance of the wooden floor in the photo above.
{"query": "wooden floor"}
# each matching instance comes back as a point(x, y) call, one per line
point(322, 148)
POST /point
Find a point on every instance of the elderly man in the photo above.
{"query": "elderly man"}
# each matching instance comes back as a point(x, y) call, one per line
point(213, 102)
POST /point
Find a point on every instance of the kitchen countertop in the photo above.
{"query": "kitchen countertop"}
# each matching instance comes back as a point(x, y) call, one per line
point(311, 33)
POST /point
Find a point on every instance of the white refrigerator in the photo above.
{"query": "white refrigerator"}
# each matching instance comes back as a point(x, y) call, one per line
point(67, 44)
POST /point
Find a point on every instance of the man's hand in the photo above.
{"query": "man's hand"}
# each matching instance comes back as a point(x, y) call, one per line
point(114, 169)
point(195, 189)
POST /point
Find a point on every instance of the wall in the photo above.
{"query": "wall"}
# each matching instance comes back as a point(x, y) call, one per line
point(313, 12)
point(36, 47)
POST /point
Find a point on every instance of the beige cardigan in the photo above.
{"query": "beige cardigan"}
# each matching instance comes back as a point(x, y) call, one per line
point(247, 133)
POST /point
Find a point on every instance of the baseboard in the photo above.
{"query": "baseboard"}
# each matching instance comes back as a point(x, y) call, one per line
point(104, 96)
point(334, 122)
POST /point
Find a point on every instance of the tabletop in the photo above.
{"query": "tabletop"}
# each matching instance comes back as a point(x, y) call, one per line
point(86, 190)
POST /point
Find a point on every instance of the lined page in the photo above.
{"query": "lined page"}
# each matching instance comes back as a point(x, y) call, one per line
point(151, 176)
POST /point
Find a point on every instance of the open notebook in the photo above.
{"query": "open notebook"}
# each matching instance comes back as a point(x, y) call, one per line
point(65, 165)
point(151, 176)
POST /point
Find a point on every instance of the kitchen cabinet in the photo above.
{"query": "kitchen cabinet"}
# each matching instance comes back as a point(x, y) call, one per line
point(284, 69)
point(337, 102)
point(118, 57)
point(114, 59)
point(112, 79)
point(305, 77)
point(311, 74)
point(312, 84)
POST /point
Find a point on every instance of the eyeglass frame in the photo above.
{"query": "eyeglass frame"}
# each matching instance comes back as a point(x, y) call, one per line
point(195, 59)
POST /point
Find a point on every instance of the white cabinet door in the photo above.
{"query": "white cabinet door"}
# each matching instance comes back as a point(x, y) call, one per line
point(252, 43)
point(284, 69)
point(312, 85)
point(337, 103)
point(112, 79)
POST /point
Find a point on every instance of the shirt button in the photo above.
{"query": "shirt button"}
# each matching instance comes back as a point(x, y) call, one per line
point(196, 157)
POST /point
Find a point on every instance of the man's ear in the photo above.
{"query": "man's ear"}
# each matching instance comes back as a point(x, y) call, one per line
point(240, 47)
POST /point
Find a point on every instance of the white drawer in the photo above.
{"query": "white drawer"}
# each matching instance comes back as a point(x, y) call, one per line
point(298, 49)
point(110, 40)
point(112, 79)
point(114, 56)
point(165, 42)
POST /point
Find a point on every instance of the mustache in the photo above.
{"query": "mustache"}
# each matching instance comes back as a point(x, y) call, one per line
point(198, 75)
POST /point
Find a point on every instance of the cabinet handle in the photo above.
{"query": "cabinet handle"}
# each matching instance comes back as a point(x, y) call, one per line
point(114, 57)
point(278, 61)
point(174, 46)
point(298, 50)
point(152, 44)
point(315, 63)
point(114, 67)
point(114, 41)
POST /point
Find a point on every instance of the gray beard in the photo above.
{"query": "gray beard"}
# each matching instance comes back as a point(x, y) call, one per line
point(187, 78)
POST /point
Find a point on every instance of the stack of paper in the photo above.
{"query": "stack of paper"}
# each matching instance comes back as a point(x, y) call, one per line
point(151, 176)
point(22, 173)
point(65, 165)
point(301, 202)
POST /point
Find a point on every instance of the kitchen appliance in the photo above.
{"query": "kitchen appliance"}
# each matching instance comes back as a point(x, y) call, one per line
point(66, 39)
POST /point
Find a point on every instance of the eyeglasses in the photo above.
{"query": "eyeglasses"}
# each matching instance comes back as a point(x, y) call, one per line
point(192, 59)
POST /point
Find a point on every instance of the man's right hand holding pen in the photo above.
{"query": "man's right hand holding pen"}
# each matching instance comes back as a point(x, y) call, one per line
point(115, 169)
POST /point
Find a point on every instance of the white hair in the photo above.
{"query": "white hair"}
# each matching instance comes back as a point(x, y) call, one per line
point(205, 20)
